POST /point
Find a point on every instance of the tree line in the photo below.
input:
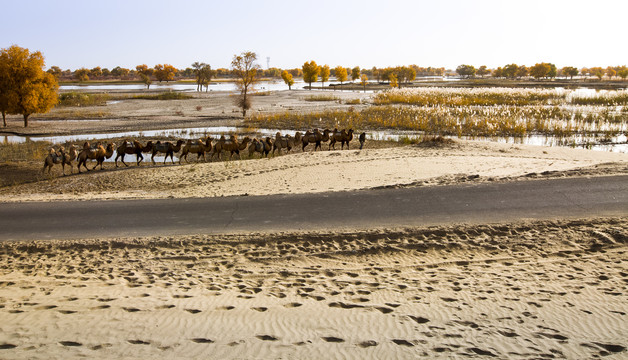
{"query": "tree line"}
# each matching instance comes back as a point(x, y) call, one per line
point(542, 71)
point(26, 88)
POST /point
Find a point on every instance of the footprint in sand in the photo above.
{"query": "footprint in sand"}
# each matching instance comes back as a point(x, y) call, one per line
point(138, 342)
point(70, 343)
point(202, 341)
point(260, 309)
point(419, 319)
point(7, 346)
point(293, 305)
point(333, 339)
point(402, 342)
point(267, 337)
point(368, 343)
point(193, 311)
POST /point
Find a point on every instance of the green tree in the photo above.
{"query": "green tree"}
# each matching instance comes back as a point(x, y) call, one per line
point(498, 73)
point(465, 70)
point(610, 72)
point(145, 73)
point(355, 73)
point(245, 70)
point(570, 71)
point(310, 72)
point(288, 79)
point(206, 75)
point(540, 70)
point(510, 71)
point(597, 72)
point(25, 88)
point(324, 74)
point(198, 66)
point(483, 70)
point(553, 71)
point(523, 71)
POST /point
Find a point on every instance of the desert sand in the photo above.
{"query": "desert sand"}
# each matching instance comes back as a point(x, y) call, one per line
point(521, 290)
point(548, 289)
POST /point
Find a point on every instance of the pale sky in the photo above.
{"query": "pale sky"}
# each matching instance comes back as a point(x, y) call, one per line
point(441, 33)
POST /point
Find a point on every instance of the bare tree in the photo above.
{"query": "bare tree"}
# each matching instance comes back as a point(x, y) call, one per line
point(245, 69)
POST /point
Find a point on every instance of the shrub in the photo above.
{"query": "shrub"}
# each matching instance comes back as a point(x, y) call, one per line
point(82, 99)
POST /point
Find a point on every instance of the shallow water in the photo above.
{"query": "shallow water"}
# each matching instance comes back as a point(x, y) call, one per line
point(277, 85)
point(617, 144)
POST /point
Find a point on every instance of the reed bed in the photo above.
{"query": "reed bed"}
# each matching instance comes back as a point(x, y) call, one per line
point(73, 98)
point(27, 151)
point(168, 95)
point(321, 98)
point(456, 121)
point(614, 98)
point(438, 96)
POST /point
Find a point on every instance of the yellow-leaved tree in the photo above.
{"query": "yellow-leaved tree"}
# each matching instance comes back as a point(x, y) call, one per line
point(324, 74)
point(341, 74)
point(25, 88)
point(287, 78)
point(310, 72)
point(165, 72)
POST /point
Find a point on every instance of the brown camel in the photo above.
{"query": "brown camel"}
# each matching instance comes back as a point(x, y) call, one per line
point(342, 137)
point(232, 145)
point(99, 154)
point(196, 146)
point(54, 157)
point(315, 137)
point(130, 147)
point(68, 158)
point(256, 146)
point(167, 148)
point(283, 142)
point(268, 145)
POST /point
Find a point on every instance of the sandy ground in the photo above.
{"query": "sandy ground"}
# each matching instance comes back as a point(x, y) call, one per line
point(312, 172)
point(545, 289)
point(553, 289)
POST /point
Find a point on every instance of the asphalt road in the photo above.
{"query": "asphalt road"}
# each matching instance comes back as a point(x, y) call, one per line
point(419, 206)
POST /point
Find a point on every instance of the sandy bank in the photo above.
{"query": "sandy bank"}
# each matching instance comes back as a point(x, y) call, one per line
point(313, 172)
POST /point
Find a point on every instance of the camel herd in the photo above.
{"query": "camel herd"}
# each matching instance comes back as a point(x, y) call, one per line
point(200, 147)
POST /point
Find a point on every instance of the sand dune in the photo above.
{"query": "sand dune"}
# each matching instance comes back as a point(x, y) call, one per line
point(550, 289)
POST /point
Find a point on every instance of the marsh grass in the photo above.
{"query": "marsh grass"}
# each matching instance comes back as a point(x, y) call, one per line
point(74, 113)
point(27, 151)
point(82, 99)
point(321, 98)
point(468, 96)
point(455, 121)
point(603, 99)
point(168, 95)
